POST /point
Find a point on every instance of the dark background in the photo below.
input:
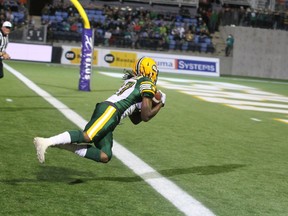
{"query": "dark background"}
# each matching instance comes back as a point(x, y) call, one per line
point(36, 6)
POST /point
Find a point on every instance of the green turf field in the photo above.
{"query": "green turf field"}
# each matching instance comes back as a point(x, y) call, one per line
point(229, 154)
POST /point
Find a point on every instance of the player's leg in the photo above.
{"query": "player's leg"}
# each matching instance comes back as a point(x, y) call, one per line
point(41, 144)
point(77, 136)
point(101, 152)
point(1, 69)
point(75, 148)
point(104, 119)
point(103, 149)
point(106, 145)
point(100, 132)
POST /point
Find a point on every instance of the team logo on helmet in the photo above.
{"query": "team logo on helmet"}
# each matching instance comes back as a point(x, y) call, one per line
point(146, 66)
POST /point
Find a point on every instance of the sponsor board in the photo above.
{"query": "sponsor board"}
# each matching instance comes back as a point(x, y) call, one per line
point(185, 64)
point(119, 59)
point(166, 62)
point(196, 65)
point(30, 52)
point(72, 55)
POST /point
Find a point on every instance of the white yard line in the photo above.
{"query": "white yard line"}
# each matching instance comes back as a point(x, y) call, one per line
point(174, 194)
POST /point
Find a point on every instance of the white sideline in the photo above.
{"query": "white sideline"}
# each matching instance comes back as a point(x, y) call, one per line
point(179, 198)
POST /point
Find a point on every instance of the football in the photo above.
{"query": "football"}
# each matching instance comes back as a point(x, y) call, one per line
point(157, 98)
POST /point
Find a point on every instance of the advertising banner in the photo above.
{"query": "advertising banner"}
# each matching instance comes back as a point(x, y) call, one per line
point(171, 63)
point(185, 64)
point(72, 55)
point(30, 52)
point(117, 59)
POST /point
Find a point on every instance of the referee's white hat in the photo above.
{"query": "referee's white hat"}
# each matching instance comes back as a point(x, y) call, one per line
point(7, 24)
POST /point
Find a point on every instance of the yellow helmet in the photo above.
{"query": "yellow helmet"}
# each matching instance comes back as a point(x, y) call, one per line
point(146, 66)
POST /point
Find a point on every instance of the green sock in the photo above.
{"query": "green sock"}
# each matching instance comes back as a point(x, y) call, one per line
point(93, 154)
point(76, 136)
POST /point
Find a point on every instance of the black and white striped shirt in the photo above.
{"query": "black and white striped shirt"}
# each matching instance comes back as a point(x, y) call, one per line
point(3, 41)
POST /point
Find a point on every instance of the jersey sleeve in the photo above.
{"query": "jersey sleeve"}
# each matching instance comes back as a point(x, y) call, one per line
point(147, 87)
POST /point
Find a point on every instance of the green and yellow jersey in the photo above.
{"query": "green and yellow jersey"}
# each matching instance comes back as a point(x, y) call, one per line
point(131, 93)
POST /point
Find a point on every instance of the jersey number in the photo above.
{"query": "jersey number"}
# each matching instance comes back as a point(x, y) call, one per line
point(124, 88)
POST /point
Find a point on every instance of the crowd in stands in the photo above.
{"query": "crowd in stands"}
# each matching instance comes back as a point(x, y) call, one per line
point(262, 18)
point(14, 11)
point(131, 28)
point(139, 28)
point(146, 29)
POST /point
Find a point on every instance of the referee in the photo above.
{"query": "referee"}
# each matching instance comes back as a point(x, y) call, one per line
point(4, 32)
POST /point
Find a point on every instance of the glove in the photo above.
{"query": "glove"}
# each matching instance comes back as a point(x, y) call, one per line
point(128, 111)
point(133, 108)
point(138, 106)
point(163, 97)
point(127, 74)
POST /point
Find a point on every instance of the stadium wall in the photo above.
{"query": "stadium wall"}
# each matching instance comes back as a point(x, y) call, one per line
point(258, 52)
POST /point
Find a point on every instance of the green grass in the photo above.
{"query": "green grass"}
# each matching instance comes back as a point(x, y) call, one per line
point(217, 154)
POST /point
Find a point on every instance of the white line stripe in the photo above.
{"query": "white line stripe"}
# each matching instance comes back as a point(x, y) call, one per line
point(179, 198)
point(242, 102)
point(252, 108)
point(255, 119)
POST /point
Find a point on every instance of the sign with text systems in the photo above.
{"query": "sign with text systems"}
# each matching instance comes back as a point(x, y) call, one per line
point(196, 65)
point(185, 64)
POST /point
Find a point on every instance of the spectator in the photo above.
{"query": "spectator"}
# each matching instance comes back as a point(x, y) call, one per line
point(204, 30)
point(107, 37)
point(74, 27)
point(189, 36)
point(213, 21)
point(286, 21)
point(229, 45)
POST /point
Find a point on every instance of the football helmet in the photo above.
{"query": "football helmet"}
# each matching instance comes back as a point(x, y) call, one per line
point(146, 66)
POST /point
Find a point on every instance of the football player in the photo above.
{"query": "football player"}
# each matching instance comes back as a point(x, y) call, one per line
point(133, 99)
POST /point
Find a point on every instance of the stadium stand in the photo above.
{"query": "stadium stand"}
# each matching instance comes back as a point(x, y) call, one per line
point(128, 26)
point(151, 25)
point(142, 26)
point(14, 11)
point(192, 3)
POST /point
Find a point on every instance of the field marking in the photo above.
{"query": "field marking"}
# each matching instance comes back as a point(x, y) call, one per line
point(255, 119)
point(169, 190)
point(282, 120)
point(243, 102)
point(253, 108)
point(233, 95)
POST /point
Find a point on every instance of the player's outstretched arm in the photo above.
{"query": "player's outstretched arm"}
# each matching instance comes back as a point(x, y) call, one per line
point(148, 111)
